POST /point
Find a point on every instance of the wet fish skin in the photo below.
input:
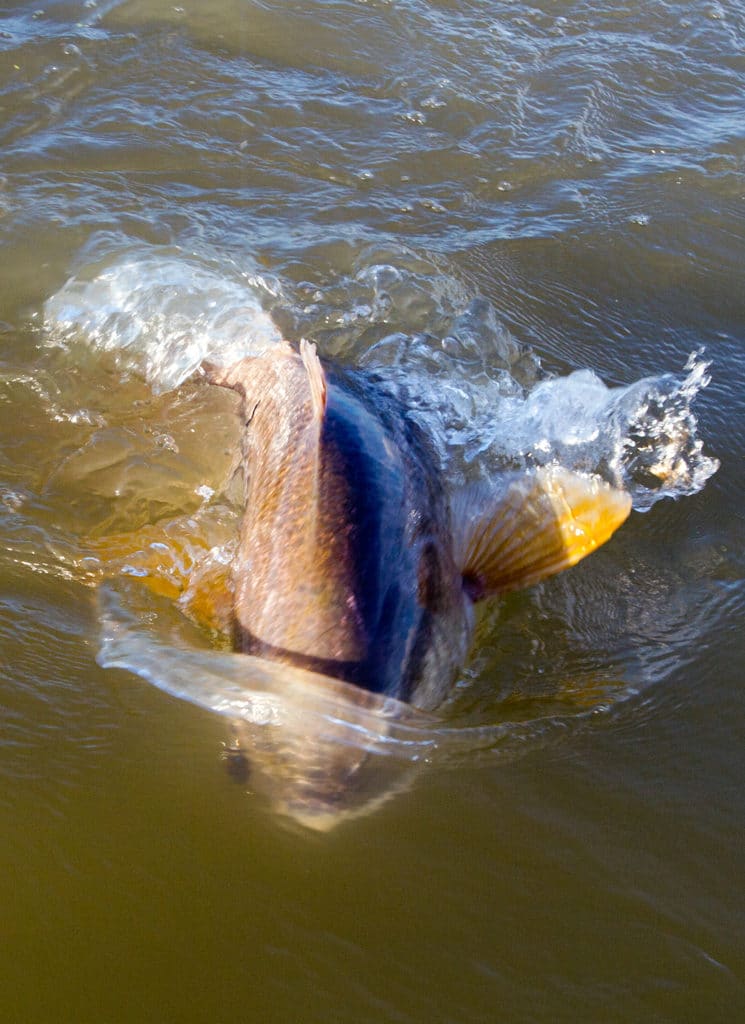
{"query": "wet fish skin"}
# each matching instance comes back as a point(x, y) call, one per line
point(345, 563)
point(353, 560)
point(355, 563)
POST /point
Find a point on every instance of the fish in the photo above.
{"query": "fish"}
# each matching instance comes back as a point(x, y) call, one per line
point(356, 564)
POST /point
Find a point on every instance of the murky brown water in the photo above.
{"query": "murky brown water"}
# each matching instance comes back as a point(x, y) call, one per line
point(362, 172)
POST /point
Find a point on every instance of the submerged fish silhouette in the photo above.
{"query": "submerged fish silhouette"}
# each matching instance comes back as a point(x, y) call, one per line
point(355, 563)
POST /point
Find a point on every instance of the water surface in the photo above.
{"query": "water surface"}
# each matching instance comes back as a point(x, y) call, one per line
point(513, 214)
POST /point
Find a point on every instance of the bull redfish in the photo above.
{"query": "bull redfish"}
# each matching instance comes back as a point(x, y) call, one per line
point(354, 579)
point(355, 562)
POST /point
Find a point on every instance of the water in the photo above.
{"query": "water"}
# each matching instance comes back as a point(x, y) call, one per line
point(528, 222)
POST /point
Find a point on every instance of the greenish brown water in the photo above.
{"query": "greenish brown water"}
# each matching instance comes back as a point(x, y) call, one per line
point(363, 172)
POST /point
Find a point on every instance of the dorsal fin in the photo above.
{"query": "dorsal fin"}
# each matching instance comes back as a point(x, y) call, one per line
point(316, 377)
point(535, 525)
point(240, 374)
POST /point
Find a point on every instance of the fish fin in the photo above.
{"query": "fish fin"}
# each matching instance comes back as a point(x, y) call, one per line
point(240, 374)
point(537, 524)
point(316, 377)
point(208, 597)
point(148, 554)
point(173, 562)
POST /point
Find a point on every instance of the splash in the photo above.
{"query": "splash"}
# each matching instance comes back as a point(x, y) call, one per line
point(164, 313)
point(488, 405)
point(483, 397)
point(641, 438)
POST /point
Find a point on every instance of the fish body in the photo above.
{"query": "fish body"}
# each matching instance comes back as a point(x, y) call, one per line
point(345, 564)
point(356, 565)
